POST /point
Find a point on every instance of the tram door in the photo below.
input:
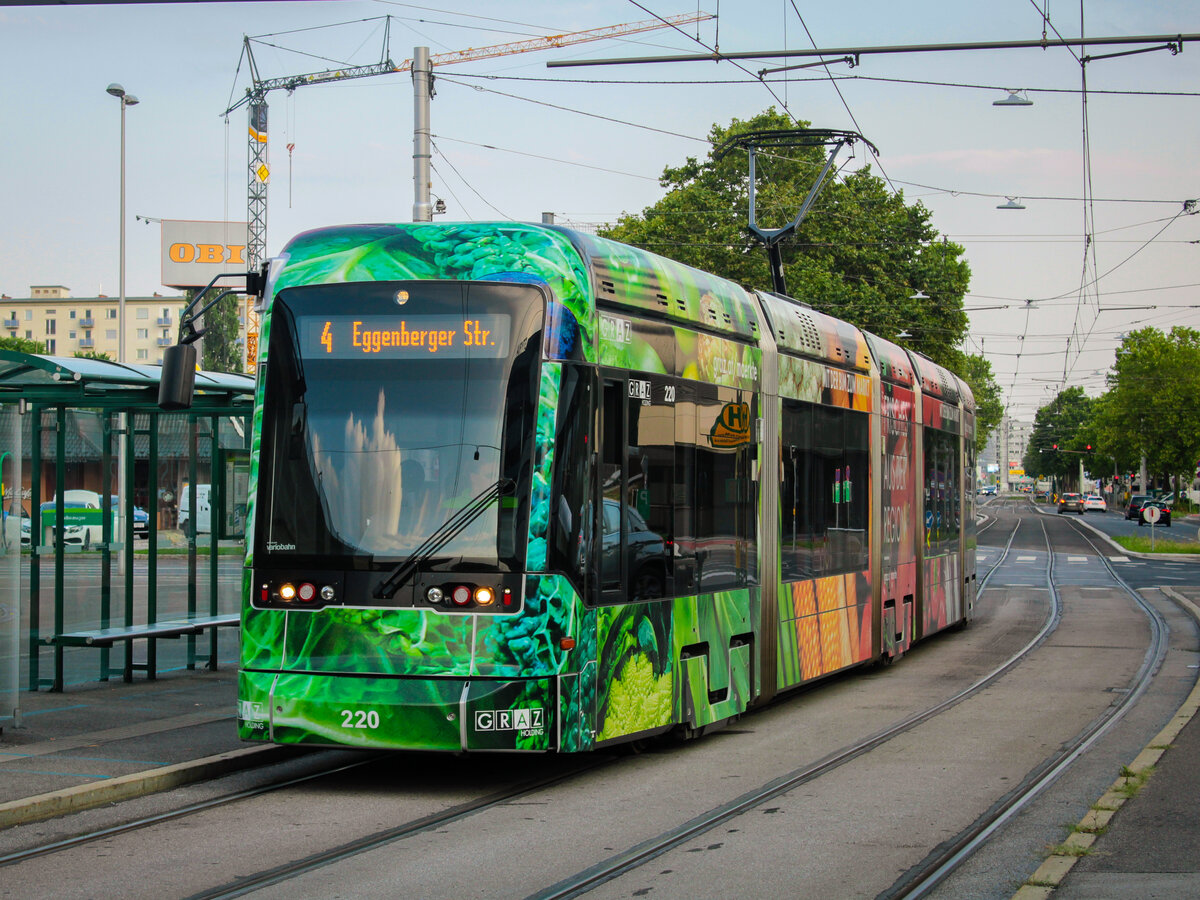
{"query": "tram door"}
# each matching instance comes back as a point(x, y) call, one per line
point(636, 479)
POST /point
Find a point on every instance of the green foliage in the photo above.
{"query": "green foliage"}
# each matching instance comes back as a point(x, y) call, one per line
point(860, 254)
point(92, 354)
point(222, 352)
point(989, 404)
point(1061, 422)
point(22, 345)
point(1152, 408)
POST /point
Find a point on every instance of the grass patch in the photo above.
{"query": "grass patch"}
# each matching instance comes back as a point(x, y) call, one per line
point(1141, 544)
point(1134, 781)
point(1065, 850)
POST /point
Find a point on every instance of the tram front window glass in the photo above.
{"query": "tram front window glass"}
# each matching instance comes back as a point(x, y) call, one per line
point(388, 407)
point(569, 530)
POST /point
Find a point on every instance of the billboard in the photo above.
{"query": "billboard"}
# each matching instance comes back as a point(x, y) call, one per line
point(193, 252)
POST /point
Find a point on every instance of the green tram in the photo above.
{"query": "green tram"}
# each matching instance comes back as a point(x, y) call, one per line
point(515, 487)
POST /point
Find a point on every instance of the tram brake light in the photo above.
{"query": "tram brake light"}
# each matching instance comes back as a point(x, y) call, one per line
point(306, 592)
point(461, 595)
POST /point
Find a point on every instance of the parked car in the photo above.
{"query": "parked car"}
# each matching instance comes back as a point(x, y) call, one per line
point(1096, 502)
point(1070, 502)
point(204, 500)
point(141, 519)
point(75, 534)
point(1164, 512)
point(1134, 509)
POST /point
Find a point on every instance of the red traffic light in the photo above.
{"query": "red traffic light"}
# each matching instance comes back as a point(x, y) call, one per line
point(1055, 446)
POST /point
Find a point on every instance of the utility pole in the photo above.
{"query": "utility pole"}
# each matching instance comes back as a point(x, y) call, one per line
point(422, 76)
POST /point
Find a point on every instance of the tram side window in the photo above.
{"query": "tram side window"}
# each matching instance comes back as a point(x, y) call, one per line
point(823, 491)
point(725, 534)
point(677, 507)
point(942, 487)
point(797, 552)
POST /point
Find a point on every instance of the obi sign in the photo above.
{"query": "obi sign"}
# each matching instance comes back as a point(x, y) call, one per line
point(193, 252)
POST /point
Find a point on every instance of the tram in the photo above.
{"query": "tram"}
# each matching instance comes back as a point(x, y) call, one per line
point(515, 487)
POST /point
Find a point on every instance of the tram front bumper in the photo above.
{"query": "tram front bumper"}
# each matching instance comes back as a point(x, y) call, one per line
point(373, 712)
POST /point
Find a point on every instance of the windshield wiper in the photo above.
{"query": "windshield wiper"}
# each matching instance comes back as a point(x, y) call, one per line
point(449, 530)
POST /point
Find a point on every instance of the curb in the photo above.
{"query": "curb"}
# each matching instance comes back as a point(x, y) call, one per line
point(1134, 553)
point(137, 784)
point(1050, 874)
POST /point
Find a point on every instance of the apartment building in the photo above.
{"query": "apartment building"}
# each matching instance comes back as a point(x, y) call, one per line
point(67, 325)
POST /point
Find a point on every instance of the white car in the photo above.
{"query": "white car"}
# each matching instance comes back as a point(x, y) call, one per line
point(1095, 501)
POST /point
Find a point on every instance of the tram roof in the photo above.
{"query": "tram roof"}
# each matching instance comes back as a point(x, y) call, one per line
point(83, 381)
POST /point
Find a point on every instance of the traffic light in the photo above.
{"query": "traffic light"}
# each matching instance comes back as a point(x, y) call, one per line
point(1055, 446)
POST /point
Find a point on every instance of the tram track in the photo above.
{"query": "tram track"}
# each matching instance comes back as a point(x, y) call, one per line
point(932, 871)
point(636, 856)
point(921, 879)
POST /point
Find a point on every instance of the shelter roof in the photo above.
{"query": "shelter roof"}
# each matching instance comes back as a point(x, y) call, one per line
point(86, 382)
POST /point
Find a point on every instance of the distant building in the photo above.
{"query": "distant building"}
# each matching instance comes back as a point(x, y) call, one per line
point(67, 325)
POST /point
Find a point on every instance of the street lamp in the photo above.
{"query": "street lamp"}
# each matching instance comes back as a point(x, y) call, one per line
point(126, 100)
point(123, 446)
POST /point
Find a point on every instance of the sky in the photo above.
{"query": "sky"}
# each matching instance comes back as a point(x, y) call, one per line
point(514, 139)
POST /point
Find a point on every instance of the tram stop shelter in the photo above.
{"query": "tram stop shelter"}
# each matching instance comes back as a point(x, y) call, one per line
point(96, 483)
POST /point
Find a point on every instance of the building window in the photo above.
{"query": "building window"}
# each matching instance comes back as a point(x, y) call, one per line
point(72, 314)
point(50, 347)
point(110, 334)
point(71, 335)
point(29, 315)
point(143, 333)
point(143, 354)
point(49, 326)
point(143, 313)
point(110, 314)
point(29, 333)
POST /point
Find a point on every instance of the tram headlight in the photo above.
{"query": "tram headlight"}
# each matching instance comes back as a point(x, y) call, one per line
point(287, 592)
point(328, 593)
point(484, 596)
point(435, 595)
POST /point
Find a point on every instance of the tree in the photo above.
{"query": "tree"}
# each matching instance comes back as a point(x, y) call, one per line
point(1152, 408)
point(22, 345)
point(989, 405)
point(861, 254)
point(1057, 443)
point(221, 350)
point(92, 354)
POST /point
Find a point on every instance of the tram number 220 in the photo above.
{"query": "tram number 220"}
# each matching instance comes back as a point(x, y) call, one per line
point(360, 718)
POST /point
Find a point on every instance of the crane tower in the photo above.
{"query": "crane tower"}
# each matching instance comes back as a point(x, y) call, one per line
point(255, 99)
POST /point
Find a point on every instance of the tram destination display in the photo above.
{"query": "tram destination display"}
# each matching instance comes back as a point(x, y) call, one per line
point(404, 336)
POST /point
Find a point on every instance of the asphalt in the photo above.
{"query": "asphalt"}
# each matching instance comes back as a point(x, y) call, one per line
point(101, 743)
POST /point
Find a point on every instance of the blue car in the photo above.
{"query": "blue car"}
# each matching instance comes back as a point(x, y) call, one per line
point(141, 519)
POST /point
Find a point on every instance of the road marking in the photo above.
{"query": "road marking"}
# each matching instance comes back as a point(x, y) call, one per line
point(1026, 559)
point(1082, 559)
point(1118, 559)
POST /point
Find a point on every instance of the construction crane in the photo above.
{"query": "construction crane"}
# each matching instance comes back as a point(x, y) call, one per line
point(258, 169)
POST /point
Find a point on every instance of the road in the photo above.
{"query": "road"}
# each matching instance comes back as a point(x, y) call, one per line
point(853, 830)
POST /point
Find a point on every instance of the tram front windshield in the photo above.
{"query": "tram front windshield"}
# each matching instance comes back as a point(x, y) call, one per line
point(389, 407)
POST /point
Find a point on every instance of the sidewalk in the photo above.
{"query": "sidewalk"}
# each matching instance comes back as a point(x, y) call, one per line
point(102, 742)
point(1142, 838)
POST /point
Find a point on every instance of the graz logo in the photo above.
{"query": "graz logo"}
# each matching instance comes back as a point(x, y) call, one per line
point(526, 720)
